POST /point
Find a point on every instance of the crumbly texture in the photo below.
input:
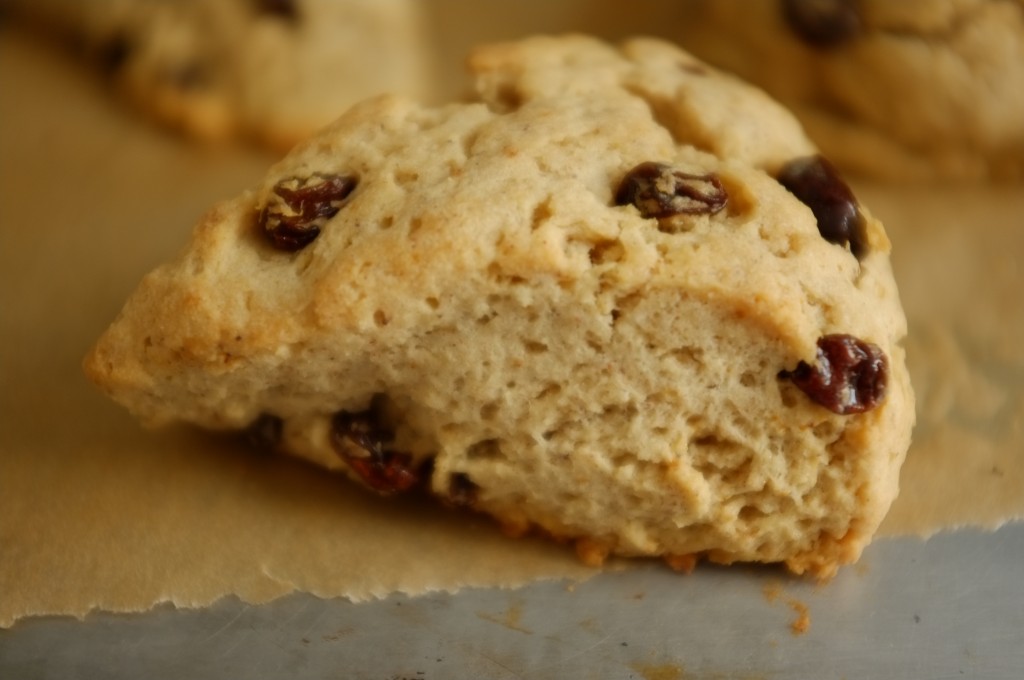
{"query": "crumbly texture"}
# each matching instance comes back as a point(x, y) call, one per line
point(918, 90)
point(273, 70)
point(539, 352)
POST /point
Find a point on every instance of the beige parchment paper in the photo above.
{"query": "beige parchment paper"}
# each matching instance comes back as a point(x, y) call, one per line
point(97, 513)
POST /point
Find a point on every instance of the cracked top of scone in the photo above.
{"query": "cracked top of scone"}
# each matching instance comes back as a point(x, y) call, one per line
point(520, 184)
point(617, 256)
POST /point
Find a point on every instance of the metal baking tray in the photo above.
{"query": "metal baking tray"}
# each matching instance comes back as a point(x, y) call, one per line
point(949, 607)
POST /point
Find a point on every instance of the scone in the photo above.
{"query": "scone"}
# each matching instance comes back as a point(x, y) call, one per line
point(275, 70)
point(908, 90)
point(582, 304)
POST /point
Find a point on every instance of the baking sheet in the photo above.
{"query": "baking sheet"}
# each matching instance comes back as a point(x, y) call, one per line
point(948, 608)
point(96, 513)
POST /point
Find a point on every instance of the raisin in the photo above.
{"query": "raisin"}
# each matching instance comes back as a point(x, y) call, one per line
point(462, 491)
point(849, 376)
point(300, 207)
point(285, 9)
point(113, 53)
point(264, 433)
point(818, 185)
point(659, 190)
point(823, 23)
point(362, 443)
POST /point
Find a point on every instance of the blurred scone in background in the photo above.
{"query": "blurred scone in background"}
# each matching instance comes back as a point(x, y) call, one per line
point(900, 91)
point(270, 70)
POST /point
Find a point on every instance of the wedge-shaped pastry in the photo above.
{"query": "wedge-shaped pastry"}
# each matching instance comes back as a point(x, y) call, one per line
point(618, 299)
point(272, 70)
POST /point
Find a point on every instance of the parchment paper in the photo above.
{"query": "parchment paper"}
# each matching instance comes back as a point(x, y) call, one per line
point(96, 512)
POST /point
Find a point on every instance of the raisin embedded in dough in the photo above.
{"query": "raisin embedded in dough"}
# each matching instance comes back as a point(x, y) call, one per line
point(818, 185)
point(365, 447)
point(264, 433)
point(283, 9)
point(300, 207)
point(823, 23)
point(848, 377)
point(660, 190)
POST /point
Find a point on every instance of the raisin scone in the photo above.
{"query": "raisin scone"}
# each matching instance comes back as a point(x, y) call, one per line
point(910, 90)
point(274, 70)
point(618, 299)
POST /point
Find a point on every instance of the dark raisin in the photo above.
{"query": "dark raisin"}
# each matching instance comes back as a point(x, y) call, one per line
point(264, 433)
point(849, 375)
point(823, 23)
point(300, 207)
point(659, 190)
point(462, 491)
point(112, 53)
point(285, 9)
point(363, 444)
point(818, 185)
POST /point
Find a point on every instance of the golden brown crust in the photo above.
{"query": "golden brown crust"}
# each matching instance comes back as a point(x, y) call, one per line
point(487, 313)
